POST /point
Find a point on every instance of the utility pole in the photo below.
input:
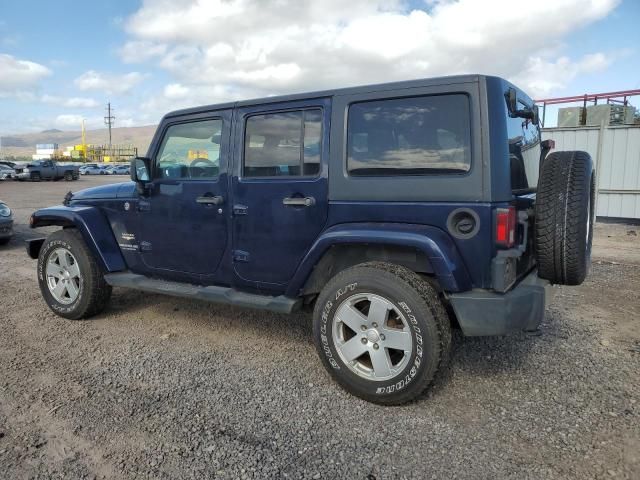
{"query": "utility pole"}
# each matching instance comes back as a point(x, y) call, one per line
point(109, 120)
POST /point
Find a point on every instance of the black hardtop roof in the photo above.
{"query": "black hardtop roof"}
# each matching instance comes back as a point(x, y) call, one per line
point(424, 82)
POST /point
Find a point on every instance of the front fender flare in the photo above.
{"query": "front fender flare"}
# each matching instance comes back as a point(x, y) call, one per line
point(446, 262)
point(93, 226)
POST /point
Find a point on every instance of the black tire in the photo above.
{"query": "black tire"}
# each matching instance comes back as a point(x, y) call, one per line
point(35, 177)
point(4, 241)
point(94, 292)
point(68, 176)
point(426, 321)
point(564, 217)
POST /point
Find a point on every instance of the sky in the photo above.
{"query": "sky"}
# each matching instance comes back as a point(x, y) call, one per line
point(62, 61)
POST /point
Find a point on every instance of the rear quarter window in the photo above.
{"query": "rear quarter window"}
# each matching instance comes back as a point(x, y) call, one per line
point(423, 135)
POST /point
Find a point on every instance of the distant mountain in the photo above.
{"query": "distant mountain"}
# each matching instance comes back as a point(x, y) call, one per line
point(24, 145)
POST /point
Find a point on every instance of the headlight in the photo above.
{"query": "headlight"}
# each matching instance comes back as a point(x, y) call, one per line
point(25, 170)
point(4, 210)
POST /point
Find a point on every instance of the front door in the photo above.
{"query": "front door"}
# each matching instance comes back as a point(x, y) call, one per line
point(279, 188)
point(183, 221)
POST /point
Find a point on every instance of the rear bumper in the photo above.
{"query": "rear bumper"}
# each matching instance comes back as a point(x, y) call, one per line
point(483, 312)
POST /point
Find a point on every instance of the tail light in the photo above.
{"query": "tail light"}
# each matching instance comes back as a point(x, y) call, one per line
point(506, 227)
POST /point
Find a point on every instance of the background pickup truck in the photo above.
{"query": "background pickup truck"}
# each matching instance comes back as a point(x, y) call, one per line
point(48, 170)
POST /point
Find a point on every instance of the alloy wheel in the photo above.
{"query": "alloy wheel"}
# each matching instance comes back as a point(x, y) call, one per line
point(372, 336)
point(63, 276)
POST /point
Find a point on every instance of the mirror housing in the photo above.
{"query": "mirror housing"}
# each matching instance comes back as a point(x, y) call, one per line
point(535, 115)
point(140, 171)
point(512, 100)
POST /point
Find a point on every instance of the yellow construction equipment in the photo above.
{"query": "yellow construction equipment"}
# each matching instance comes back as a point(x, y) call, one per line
point(193, 154)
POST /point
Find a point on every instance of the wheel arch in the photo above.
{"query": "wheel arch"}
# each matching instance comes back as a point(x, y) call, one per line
point(92, 225)
point(422, 249)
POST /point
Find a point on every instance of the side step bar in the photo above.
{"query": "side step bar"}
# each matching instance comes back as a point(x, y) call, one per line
point(280, 304)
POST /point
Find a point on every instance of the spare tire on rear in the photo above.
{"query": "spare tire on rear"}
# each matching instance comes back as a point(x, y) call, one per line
point(564, 217)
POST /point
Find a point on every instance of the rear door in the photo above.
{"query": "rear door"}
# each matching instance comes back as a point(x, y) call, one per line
point(279, 188)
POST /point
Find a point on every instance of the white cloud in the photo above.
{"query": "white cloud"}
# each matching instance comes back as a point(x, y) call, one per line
point(176, 91)
point(70, 102)
point(108, 82)
point(544, 76)
point(19, 76)
point(141, 51)
point(248, 48)
point(73, 121)
point(68, 120)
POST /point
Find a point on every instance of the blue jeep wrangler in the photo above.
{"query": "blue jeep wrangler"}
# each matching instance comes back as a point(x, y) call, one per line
point(396, 212)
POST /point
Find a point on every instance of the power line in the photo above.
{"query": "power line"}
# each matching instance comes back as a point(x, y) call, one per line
point(109, 120)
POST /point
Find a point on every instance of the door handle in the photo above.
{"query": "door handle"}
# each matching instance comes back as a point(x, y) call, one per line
point(210, 200)
point(299, 201)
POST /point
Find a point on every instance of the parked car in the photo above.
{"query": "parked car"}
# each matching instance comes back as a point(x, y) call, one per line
point(48, 170)
point(395, 212)
point(93, 170)
point(86, 166)
point(7, 163)
point(6, 223)
point(119, 170)
point(6, 173)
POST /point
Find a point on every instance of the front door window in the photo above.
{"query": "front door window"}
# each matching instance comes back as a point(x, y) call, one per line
point(190, 151)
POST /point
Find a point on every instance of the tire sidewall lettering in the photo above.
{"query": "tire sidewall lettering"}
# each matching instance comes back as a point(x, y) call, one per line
point(324, 338)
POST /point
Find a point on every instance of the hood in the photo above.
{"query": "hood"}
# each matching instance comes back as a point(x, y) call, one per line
point(114, 190)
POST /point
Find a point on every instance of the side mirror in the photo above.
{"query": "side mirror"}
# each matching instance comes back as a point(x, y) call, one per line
point(535, 115)
point(512, 100)
point(140, 173)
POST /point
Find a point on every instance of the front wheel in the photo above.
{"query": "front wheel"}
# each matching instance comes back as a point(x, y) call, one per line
point(381, 332)
point(71, 281)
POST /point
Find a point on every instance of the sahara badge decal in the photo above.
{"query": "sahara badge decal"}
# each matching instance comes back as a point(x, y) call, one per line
point(128, 237)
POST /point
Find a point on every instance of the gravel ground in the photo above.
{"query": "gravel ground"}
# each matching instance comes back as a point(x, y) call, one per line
point(157, 387)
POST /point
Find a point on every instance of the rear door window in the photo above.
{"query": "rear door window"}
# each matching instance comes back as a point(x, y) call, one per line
point(283, 144)
point(409, 136)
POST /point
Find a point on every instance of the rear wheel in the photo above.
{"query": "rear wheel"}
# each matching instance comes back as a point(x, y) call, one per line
point(564, 217)
point(71, 281)
point(68, 176)
point(381, 332)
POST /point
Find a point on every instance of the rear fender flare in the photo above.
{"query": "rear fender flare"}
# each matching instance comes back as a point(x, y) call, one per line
point(93, 226)
point(445, 261)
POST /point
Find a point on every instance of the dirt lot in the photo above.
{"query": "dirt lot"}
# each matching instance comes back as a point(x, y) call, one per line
point(157, 387)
